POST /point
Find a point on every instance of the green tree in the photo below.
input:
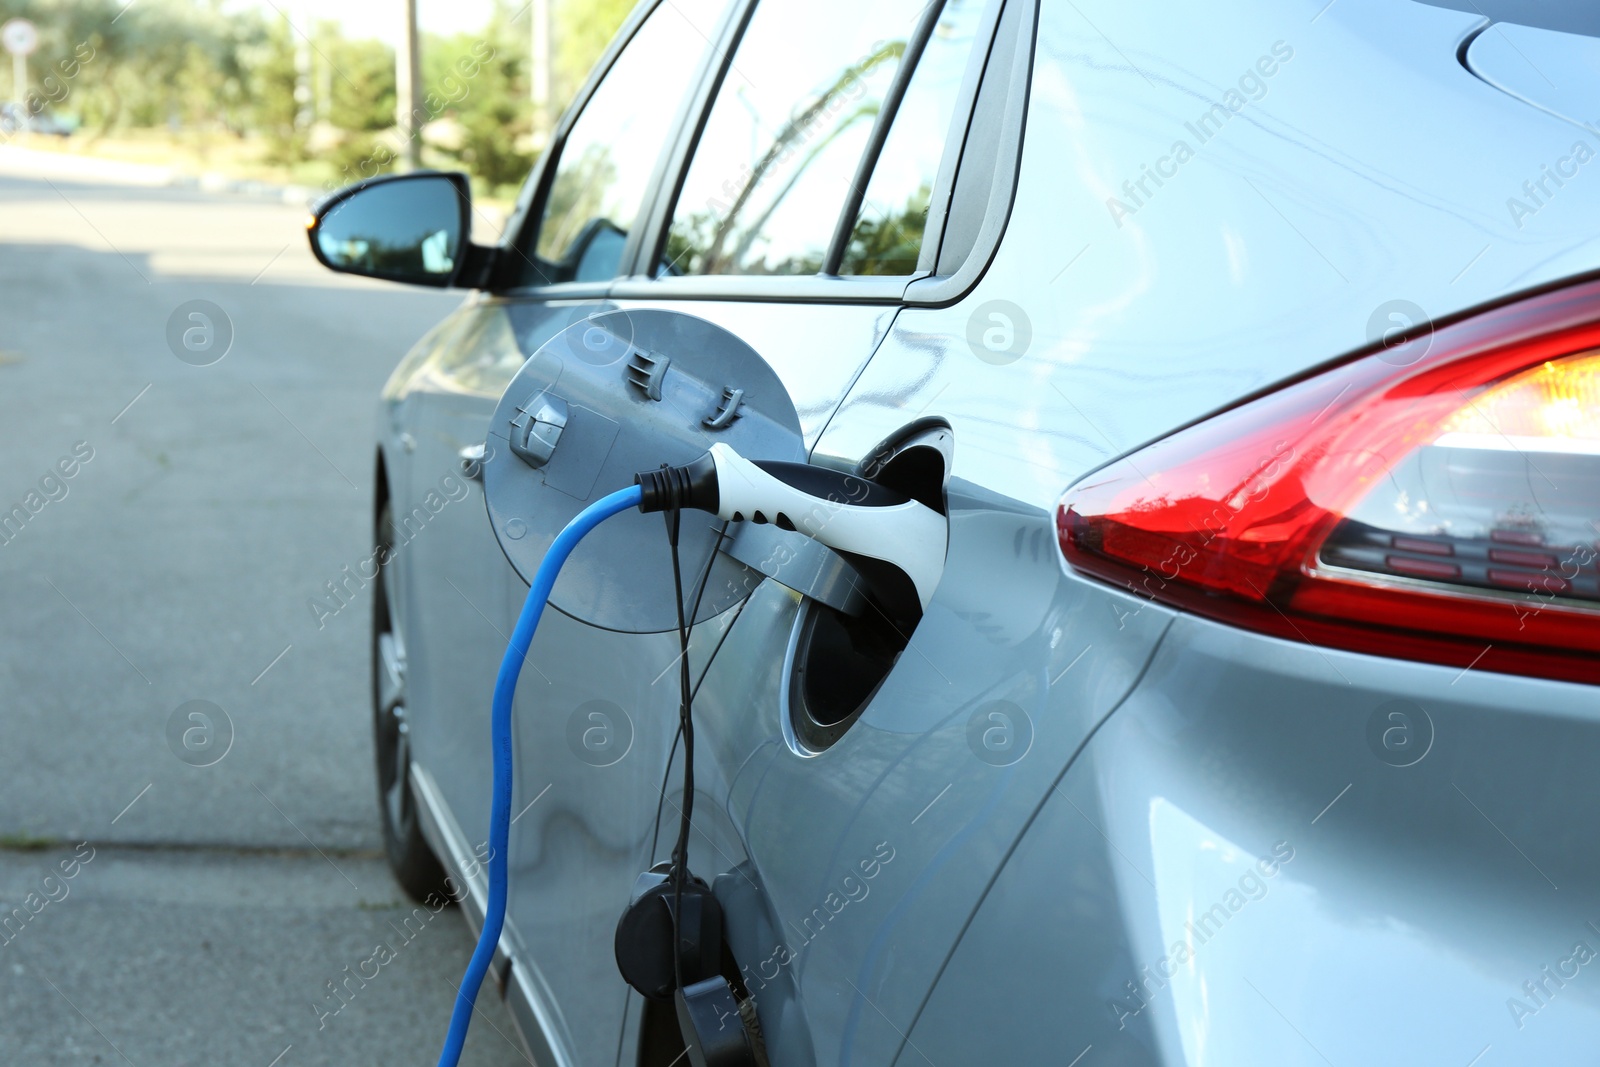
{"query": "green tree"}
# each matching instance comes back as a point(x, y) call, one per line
point(478, 87)
point(361, 91)
point(582, 30)
point(159, 62)
point(272, 81)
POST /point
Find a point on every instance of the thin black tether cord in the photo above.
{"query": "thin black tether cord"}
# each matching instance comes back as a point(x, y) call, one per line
point(680, 852)
point(677, 735)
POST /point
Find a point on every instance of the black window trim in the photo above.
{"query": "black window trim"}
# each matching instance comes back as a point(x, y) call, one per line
point(956, 138)
point(923, 288)
point(868, 163)
point(800, 288)
point(1012, 56)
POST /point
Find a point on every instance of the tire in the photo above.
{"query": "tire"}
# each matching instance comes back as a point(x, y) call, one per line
point(415, 866)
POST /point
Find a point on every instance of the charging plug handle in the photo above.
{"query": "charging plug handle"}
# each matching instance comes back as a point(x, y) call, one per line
point(697, 485)
point(868, 523)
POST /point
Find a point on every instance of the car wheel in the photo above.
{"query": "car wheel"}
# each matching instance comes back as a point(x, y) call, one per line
point(415, 866)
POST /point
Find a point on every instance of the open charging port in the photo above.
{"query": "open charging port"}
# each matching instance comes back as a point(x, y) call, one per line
point(846, 643)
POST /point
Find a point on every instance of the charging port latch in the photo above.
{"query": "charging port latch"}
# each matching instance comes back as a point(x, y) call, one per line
point(536, 427)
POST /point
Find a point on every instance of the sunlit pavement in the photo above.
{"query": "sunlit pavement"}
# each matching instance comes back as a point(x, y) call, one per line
point(185, 486)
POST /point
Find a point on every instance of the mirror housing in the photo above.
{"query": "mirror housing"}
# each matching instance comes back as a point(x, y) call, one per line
point(413, 228)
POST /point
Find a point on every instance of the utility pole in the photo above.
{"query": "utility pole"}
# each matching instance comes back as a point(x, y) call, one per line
point(303, 112)
point(408, 89)
point(539, 72)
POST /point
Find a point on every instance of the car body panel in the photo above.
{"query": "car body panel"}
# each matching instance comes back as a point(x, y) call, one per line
point(457, 584)
point(1370, 177)
point(1422, 889)
point(592, 830)
point(1268, 255)
point(817, 351)
point(461, 599)
point(590, 748)
point(1515, 58)
point(1006, 634)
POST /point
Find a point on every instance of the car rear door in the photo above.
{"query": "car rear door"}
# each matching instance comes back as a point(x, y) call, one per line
point(777, 822)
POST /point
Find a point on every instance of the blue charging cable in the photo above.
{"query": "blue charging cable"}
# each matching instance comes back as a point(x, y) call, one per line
point(505, 687)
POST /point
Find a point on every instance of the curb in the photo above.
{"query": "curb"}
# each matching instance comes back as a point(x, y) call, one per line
point(19, 162)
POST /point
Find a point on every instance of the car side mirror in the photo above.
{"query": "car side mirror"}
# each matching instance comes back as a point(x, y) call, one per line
point(404, 228)
point(596, 252)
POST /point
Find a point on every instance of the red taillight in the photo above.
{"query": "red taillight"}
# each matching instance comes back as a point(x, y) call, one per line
point(1445, 511)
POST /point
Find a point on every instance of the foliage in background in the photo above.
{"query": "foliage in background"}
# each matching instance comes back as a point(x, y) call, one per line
point(272, 81)
point(479, 86)
point(582, 29)
point(210, 76)
point(353, 97)
point(168, 63)
point(357, 80)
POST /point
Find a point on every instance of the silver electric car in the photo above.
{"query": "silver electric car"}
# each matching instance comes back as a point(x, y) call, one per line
point(1247, 350)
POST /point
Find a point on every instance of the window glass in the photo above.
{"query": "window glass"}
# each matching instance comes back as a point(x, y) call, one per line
point(887, 235)
point(607, 160)
point(774, 165)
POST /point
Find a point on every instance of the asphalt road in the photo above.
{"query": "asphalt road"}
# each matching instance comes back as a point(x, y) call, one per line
point(208, 907)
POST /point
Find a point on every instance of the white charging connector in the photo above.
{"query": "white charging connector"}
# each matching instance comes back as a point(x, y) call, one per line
point(877, 529)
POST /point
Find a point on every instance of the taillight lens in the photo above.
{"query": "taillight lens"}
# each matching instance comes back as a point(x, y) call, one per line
point(1445, 511)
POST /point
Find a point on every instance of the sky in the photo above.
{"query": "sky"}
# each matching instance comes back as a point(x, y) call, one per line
point(381, 18)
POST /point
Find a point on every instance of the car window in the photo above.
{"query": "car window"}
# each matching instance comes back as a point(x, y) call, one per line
point(774, 165)
point(886, 237)
point(609, 154)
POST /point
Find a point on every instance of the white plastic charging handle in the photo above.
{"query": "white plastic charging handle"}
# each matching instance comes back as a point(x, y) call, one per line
point(910, 536)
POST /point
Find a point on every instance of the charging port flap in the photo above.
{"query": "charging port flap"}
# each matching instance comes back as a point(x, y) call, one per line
point(613, 394)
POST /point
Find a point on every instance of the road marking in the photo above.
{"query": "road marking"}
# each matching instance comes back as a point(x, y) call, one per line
point(280, 1056)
